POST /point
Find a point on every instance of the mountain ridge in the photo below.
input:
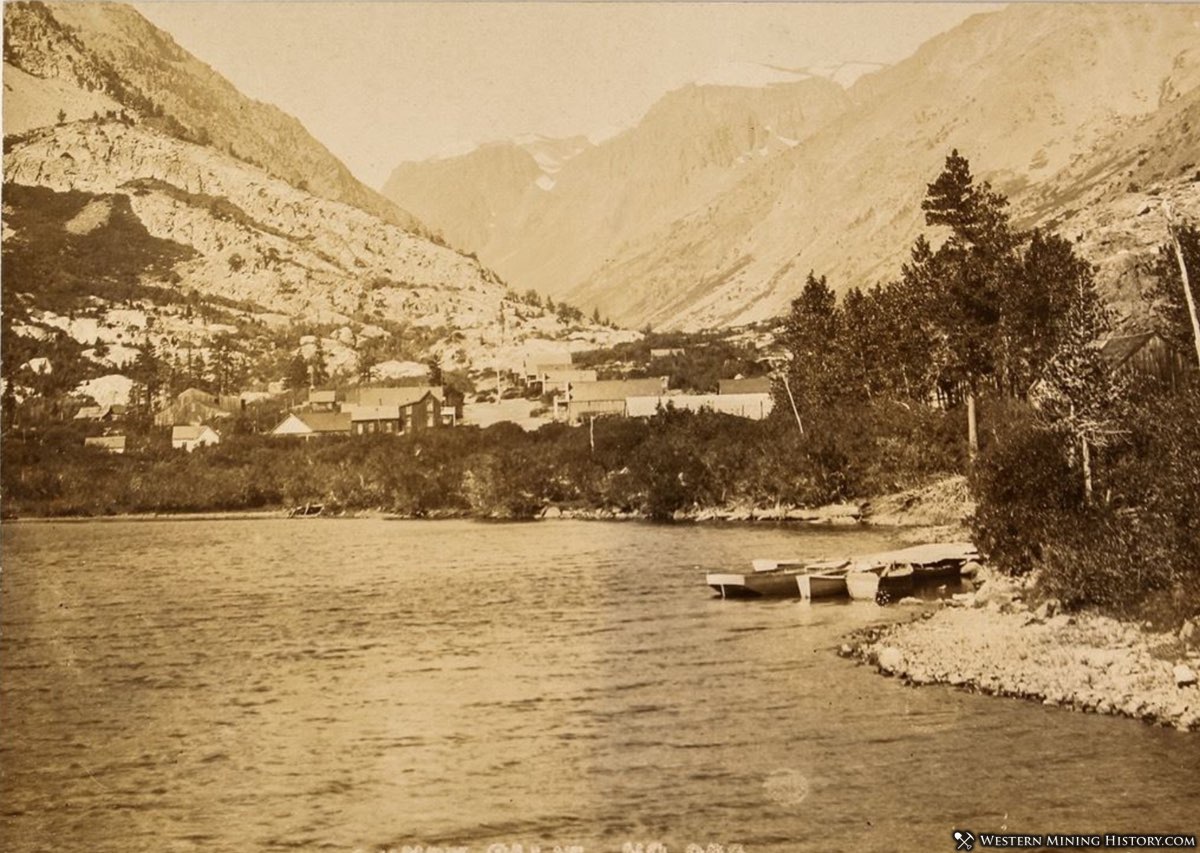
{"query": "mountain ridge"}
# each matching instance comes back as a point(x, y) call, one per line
point(1024, 93)
point(111, 48)
point(689, 146)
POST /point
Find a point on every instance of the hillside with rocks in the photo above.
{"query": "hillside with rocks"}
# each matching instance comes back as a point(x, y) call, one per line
point(1030, 94)
point(243, 238)
point(97, 56)
point(131, 233)
point(1111, 202)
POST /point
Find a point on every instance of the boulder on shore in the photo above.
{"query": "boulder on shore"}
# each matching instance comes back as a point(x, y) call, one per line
point(1184, 676)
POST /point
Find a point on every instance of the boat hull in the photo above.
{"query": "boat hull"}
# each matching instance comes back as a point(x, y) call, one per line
point(777, 584)
point(862, 586)
point(816, 585)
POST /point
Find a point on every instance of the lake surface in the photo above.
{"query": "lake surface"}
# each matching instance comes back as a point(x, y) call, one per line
point(364, 684)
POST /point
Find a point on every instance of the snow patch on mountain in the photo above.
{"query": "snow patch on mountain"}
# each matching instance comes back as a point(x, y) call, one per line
point(751, 75)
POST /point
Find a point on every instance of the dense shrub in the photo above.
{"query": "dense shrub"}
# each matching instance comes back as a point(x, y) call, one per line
point(1140, 536)
point(674, 461)
point(1025, 491)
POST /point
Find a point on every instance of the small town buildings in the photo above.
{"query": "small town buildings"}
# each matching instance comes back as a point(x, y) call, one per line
point(99, 413)
point(308, 425)
point(608, 397)
point(420, 406)
point(752, 406)
point(755, 385)
point(535, 363)
point(558, 380)
point(190, 436)
point(195, 406)
point(452, 404)
point(365, 420)
point(110, 443)
point(322, 400)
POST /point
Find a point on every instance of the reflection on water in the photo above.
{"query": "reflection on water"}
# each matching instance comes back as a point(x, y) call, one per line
point(333, 685)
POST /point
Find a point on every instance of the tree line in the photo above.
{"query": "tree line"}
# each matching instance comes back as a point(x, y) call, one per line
point(1085, 470)
point(983, 348)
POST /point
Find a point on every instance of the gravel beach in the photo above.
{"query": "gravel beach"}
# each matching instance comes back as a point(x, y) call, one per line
point(990, 641)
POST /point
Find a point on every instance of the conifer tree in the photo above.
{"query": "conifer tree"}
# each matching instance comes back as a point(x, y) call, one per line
point(966, 277)
point(812, 334)
point(1077, 392)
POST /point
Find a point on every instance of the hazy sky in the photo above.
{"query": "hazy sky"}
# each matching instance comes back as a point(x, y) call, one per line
point(383, 82)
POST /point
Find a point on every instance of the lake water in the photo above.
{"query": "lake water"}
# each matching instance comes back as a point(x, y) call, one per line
point(365, 684)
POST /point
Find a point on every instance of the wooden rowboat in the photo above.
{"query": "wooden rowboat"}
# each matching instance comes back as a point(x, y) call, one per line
point(823, 583)
point(863, 585)
point(770, 584)
point(879, 583)
point(783, 581)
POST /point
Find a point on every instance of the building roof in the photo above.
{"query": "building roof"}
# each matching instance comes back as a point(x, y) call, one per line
point(196, 394)
point(568, 374)
point(1118, 350)
point(373, 413)
point(322, 396)
point(190, 432)
point(754, 385)
point(93, 413)
point(617, 389)
point(325, 421)
point(403, 396)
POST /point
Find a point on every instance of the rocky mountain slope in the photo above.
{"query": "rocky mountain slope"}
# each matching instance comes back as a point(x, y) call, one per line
point(1029, 94)
point(251, 239)
point(136, 224)
point(464, 197)
point(97, 54)
point(1020, 92)
point(1111, 201)
point(460, 196)
point(548, 229)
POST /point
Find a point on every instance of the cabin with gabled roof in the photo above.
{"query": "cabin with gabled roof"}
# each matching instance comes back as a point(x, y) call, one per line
point(1147, 356)
point(608, 396)
point(308, 425)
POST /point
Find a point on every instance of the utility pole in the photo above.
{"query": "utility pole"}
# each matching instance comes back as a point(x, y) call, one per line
point(787, 386)
point(1183, 275)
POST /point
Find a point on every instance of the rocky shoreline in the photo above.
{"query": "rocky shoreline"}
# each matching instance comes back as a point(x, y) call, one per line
point(991, 641)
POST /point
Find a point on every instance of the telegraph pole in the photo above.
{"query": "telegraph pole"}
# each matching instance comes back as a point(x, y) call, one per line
point(1183, 275)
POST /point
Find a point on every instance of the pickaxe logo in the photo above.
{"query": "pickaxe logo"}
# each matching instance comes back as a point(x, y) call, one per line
point(963, 839)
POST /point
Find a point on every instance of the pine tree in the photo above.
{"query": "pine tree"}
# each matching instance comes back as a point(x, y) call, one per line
point(1077, 392)
point(966, 278)
point(318, 368)
point(1034, 306)
point(812, 335)
point(296, 376)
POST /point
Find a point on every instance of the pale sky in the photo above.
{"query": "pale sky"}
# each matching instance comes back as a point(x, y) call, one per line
point(383, 82)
